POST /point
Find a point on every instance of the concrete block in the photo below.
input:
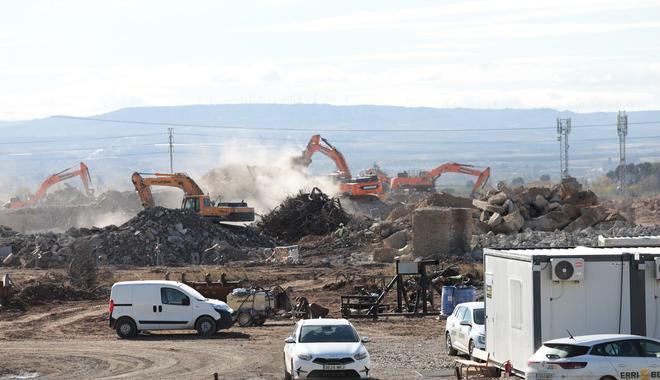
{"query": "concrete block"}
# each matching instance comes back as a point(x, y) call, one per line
point(397, 240)
point(385, 255)
point(441, 231)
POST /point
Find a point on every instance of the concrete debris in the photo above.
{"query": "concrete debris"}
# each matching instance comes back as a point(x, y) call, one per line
point(441, 231)
point(156, 236)
point(397, 240)
point(589, 216)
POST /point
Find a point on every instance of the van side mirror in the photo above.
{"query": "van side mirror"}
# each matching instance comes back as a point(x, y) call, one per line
point(185, 301)
point(466, 323)
point(289, 340)
point(365, 339)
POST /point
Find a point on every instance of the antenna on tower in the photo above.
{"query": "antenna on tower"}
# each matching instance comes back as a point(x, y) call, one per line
point(563, 129)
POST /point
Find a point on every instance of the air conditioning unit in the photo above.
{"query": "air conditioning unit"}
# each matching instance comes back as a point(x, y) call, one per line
point(567, 269)
point(657, 268)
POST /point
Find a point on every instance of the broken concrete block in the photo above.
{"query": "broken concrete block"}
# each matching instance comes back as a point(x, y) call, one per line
point(512, 223)
point(509, 207)
point(570, 210)
point(385, 255)
point(495, 220)
point(540, 202)
point(554, 206)
point(582, 199)
point(441, 231)
point(398, 213)
point(569, 187)
point(498, 199)
point(551, 221)
point(589, 217)
point(397, 240)
point(485, 206)
point(485, 215)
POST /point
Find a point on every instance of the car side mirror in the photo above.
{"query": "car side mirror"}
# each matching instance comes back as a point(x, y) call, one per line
point(365, 339)
point(185, 302)
point(289, 340)
point(466, 323)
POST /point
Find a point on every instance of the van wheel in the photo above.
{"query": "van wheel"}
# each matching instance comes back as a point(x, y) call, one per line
point(126, 328)
point(244, 319)
point(471, 349)
point(259, 321)
point(450, 349)
point(206, 326)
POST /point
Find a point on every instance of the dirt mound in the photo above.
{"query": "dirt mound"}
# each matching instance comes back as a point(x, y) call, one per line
point(312, 213)
point(54, 287)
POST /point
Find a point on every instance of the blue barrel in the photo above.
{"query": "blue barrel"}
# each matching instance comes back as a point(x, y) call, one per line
point(447, 302)
point(464, 294)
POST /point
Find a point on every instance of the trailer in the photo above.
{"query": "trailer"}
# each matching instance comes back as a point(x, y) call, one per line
point(534, 295)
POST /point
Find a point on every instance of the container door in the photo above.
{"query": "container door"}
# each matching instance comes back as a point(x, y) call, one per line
point(145, 307)
point(175, 309)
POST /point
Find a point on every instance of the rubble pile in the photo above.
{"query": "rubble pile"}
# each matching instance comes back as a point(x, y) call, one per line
point(67, 195)
point(54, 287)
point(313, 213)
point(555, 239)
point(156, 236)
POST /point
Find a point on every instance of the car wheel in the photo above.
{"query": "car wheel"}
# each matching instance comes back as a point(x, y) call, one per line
point(470, 349)
point(450, 349)
point(126, 328)
point(206, 326)
point(608, 378)
point(287, 375)
point(244, 319)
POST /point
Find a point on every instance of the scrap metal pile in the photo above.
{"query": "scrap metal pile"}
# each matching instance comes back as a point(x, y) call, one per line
point(313, 213)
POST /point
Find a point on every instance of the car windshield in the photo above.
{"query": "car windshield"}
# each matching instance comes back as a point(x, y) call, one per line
point(478, 316)
point(560, 351)
point(193, 293)
point(328, 334)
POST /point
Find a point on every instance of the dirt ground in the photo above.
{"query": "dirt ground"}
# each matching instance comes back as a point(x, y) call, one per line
point(72, 339)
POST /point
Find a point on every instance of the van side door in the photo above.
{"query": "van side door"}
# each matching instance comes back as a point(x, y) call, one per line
point(175, 309)
point(145, 306)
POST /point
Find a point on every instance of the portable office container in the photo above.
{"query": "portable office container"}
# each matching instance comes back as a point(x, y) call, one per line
point(534, 295)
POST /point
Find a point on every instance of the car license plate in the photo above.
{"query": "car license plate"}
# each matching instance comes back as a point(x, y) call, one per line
point(543, 376)
point(333, 367)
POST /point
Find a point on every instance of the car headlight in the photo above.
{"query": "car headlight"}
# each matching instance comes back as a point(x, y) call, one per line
point(361, 355)
point(481, 339)
point(303, 356)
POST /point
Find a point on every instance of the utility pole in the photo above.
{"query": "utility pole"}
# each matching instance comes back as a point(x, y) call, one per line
point(622, 129)
point(171, 130)
point(563, 129)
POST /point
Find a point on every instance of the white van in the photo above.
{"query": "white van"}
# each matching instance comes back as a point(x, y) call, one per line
point(164, 305)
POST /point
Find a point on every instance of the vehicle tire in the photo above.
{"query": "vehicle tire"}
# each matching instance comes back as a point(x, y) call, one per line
point(608, 378)
point(206, 326)
point(244, 319)
point(470, 349)
point(450, 349)
point(287, 375)
point(259, 321)
point(125, 328)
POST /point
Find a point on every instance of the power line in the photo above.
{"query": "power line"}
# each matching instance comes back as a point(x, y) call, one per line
point(77, 139)
point(380, 130)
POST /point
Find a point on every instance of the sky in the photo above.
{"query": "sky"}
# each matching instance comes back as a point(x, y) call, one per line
point(86, 57)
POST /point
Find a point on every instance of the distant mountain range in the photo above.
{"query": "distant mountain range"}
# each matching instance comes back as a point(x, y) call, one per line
point(513, 142)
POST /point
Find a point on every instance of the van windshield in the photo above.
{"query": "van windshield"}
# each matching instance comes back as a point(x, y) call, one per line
point(193, 293)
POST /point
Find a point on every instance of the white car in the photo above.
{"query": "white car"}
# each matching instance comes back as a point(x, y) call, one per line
point(604, 357)
point(135, 306)
point(465, 328)
point(325, 348)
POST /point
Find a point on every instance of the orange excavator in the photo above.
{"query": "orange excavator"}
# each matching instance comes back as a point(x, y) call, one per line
point(194, 198)
point(425, 181)
point(358, 187)
point(382, 176)
point(82, 172)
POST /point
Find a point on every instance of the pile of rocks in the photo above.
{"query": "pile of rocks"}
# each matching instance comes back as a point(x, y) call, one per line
point(156, 236)
point(562, 207)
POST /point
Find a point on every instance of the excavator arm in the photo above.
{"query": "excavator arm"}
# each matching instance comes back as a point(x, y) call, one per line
point(482, 175)
point(178, 180)
point(319, 144)
point(82, 172)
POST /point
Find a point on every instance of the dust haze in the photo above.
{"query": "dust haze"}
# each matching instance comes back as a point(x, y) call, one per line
point(262, 176)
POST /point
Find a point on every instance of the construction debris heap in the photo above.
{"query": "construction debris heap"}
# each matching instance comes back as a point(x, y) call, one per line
point(156, 236)
point(312, 213)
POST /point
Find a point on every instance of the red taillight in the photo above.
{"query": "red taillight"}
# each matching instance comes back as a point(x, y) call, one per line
point(572, 365)
point(111, 306)
point(530, 362)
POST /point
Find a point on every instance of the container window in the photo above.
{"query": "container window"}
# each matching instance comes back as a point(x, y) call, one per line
point(515, 303)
